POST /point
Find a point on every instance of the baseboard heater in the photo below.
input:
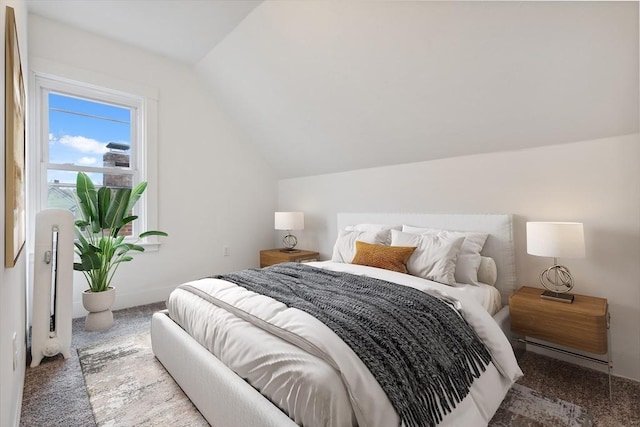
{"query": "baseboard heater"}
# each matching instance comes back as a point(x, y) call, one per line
point(52, 285)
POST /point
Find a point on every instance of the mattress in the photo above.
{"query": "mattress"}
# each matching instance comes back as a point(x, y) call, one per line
point(317, 391)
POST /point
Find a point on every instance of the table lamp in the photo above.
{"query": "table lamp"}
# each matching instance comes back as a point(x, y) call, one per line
point(289, 221)
point(557, 240)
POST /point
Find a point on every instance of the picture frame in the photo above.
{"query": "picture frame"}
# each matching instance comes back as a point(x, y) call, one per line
point(15, 158)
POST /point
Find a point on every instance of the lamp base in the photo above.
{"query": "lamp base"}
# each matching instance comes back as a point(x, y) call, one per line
point(556, 296)
point(289, 250)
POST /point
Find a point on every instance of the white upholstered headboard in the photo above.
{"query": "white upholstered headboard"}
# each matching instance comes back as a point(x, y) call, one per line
point(498, 246)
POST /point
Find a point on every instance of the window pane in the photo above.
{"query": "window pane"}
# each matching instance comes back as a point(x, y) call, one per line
point(61, 189)
point(87, 133)
point(61, 194)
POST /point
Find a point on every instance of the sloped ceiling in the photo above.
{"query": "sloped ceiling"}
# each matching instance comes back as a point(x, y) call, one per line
point(330, 86)
point(184, 30)
point(323, 86)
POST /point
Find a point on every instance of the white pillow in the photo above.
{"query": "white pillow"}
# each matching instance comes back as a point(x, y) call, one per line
point(345, 247)
point(488, 272)
point(374, 228)
point(468, 261)
point(435, 255)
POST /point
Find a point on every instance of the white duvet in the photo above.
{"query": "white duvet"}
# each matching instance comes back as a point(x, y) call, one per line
point(309, 372)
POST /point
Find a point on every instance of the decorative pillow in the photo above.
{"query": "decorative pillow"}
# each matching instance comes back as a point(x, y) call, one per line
point(392, 258)
point(435, 255)
point(345, 246)
point(375, 228)
point(488, 272)
point(469, 258)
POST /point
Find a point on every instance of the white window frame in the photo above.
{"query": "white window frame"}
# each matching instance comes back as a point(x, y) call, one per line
point(48, 76)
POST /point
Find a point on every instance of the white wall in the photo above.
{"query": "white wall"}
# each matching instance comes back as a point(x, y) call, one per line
point(424, 80)
point(214, 191)
point(12, 280)
point(595, 182)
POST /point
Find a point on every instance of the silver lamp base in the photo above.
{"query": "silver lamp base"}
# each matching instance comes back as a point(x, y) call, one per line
point(289, 241)
point(558, 281)
point(556, 296)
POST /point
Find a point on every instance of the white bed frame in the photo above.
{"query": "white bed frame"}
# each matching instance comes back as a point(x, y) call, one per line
point(226, 400)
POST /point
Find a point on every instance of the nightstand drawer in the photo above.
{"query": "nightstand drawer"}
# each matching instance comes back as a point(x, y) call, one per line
point(581, 325)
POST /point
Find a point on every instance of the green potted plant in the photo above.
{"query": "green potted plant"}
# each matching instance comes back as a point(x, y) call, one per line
point(100, 245)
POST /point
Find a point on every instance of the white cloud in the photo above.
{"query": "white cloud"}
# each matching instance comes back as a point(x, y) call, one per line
point(87, 161)
point(83, 144)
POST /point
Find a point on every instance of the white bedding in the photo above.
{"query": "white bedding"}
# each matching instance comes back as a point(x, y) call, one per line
point(319, 380)
point(485, 295)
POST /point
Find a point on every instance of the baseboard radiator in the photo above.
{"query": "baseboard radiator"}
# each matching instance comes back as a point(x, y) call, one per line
point(52, 285)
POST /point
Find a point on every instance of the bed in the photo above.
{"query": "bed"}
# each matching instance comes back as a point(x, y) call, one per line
point(327, 385)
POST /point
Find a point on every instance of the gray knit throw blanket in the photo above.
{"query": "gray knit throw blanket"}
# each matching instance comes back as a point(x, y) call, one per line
point(419, 349)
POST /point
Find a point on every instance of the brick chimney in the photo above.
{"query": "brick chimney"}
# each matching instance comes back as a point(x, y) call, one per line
point(117, 156)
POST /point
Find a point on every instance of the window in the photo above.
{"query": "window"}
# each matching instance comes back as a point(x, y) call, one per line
point(90, 136)
point(82, 127)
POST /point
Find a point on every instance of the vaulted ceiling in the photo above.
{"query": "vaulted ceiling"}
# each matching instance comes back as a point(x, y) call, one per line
point(326, 86)
point(184, 30)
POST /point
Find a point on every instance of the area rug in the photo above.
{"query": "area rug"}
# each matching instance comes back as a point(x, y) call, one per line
point(526, 407)
point(128, 386)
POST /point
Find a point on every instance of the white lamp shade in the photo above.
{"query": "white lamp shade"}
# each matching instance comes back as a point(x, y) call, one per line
point(555, 239)
point(289, 221)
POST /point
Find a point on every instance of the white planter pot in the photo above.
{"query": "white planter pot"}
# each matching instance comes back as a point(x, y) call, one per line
point(98, 304)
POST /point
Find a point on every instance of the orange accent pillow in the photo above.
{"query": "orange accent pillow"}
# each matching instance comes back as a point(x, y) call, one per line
point(392, 258)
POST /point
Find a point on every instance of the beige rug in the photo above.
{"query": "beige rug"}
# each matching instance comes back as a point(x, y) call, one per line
point(127, 386)
point(526, 407)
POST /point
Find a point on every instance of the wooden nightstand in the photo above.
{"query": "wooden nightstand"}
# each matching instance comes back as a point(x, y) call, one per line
point(276, 256)
point(581, 325)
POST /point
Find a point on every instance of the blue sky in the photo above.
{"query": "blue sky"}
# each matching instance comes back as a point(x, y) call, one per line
point(81, 140)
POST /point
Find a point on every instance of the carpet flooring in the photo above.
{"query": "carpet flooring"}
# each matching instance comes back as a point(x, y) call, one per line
point(585, 387)
point(128, 386)
point(55, 392)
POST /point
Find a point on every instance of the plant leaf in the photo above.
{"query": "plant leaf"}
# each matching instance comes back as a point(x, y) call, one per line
point(136, 192)
point(131, 247)
point(84, 245)
point(129, 219)
point(104, 199)
point(153, 233)
point(90, 261)
point(81, 223)
point(87, 199)
point(117, 209)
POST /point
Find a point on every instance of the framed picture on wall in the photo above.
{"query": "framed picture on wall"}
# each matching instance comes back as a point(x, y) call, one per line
point(15, 186)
